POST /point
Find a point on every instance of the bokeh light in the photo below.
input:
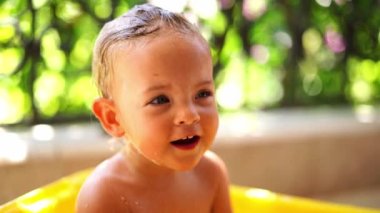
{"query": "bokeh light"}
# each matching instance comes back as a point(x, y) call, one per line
point(265, 53)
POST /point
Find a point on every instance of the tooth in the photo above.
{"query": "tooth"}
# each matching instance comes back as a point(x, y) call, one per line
point(187, 137)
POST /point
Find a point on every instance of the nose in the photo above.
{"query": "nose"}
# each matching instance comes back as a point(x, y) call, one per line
point(187, 115)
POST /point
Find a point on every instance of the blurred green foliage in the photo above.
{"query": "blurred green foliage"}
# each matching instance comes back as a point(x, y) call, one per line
point(267, 54)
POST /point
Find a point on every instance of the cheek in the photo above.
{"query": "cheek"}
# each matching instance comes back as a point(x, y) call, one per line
point(211, 121)
point(154, 127)
point(153, 136)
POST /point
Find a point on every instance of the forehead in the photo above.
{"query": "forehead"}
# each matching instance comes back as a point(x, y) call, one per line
point(165, 40)
point(181, 61)
point(162, 52)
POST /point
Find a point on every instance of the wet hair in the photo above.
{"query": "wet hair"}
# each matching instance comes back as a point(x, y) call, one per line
point(141, 21)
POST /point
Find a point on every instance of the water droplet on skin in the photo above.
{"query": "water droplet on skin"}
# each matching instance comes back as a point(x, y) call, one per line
point(123, 200)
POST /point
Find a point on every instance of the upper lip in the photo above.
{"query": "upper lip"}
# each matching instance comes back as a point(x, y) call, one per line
point(187, 133)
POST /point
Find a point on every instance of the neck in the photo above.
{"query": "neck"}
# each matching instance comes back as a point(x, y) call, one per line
point(144, 169)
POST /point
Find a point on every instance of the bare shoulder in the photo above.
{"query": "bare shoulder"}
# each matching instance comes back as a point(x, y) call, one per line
point(99, 192)
point(93, 196)
point(217, 169)
point(215, 163)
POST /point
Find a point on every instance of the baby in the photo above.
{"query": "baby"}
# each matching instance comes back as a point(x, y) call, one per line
point(154, 71)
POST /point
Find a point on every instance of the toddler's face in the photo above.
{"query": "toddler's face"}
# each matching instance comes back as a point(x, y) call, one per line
point(163, 92)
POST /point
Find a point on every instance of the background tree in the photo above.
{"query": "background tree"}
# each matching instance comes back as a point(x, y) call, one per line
point(267, 54)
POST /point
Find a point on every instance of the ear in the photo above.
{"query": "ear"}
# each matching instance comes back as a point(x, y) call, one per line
point(104, 109)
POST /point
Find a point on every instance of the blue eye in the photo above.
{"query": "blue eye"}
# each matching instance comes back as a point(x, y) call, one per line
point(162, 99)
point(204, 94)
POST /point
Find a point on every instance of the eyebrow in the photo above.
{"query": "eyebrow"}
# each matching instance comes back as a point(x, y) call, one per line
point(156, 87)
point(205, 82)
point(164, 86)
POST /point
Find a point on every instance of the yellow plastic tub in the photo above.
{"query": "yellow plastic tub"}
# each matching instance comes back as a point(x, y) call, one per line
point(60, 196)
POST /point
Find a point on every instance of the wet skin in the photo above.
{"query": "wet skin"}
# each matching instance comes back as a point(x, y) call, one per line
point(162, 103)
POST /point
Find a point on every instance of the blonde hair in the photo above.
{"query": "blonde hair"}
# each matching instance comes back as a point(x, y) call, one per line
point(140, 21)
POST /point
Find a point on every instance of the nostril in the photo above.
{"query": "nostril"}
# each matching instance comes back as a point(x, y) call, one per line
point(187, 115)
point(189, 120)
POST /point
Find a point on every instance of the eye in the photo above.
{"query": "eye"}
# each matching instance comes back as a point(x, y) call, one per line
point(203, 94)
point(162, 99)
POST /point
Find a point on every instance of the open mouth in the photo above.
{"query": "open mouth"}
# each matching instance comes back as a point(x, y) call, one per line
point(186, 143)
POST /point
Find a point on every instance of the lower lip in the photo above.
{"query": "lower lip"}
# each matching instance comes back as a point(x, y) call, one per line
point(187, 146)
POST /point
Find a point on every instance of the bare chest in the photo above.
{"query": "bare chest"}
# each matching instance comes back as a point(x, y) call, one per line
point(183, 199)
